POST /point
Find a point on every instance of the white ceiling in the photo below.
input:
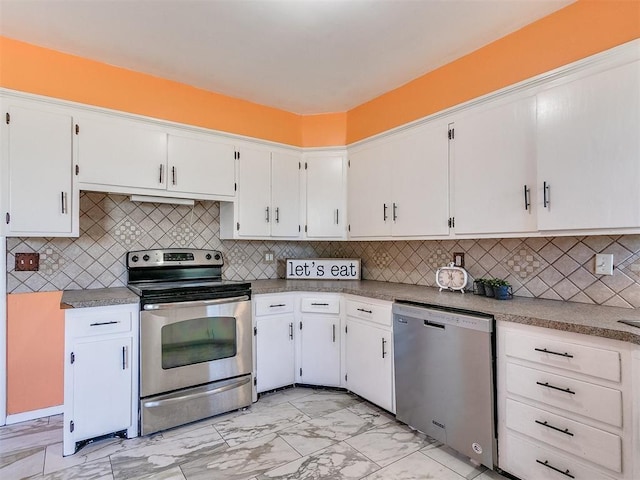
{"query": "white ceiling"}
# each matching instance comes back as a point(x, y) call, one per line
point(303, 56)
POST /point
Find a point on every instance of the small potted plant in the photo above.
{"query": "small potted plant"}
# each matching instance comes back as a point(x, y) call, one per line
point(478, 286)
point(488, 287)
point(501, 289)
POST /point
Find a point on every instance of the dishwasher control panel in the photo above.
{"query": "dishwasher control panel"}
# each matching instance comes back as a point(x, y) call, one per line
point(438, 318)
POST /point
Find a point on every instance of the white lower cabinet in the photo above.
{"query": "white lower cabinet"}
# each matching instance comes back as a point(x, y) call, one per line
point(325, 339)
point(101, 381)
point(320, 332)
point(369, 351)
point(274, 333)
point(564, 405)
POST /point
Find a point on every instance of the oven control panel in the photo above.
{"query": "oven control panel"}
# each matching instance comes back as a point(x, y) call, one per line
point(169, 257)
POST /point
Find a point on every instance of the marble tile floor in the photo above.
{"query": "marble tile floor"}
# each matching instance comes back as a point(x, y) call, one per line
point(297, 433)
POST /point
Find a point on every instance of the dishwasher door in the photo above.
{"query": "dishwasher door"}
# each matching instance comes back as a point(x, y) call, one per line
point(444, 373)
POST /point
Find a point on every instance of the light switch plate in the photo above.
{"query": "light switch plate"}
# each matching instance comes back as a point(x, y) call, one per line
point(604, 264)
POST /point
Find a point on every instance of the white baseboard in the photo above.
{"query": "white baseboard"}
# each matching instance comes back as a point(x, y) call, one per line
point(33, 414)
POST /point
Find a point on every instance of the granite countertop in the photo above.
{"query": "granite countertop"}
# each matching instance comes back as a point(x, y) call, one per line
point(98, 297)
point(569, 316)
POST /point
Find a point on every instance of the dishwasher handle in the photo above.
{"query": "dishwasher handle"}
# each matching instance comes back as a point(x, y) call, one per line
point(428, 323)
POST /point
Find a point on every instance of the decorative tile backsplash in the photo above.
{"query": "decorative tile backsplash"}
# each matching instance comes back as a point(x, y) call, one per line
point(560, 268)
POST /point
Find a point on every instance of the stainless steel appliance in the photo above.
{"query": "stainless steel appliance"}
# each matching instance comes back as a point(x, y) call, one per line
point(444, 372)
point(195, 337)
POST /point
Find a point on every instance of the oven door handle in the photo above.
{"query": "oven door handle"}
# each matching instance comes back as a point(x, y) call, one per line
point(195, 303)
point(192, 396)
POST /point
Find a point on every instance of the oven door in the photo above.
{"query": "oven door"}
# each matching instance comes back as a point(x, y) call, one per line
point(193, 343)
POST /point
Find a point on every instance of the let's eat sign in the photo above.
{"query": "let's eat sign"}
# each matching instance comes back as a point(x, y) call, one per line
point(324, 268)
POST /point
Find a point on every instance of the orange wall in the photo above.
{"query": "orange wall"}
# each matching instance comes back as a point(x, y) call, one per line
point(324, 130)
point(35, 351)
point(577, 31)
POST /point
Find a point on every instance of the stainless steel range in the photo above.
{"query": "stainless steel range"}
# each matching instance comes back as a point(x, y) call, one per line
point(195, 337)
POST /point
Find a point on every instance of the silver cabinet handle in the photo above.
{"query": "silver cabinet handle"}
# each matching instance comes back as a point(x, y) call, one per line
point(334, 333)
point(277, 214)
point(557, 429)
point(291, 331)
point(63, 201)
point(384, 212)
point(395, 211)
point(173, 175)
point(364, 310)
point(195, 303)
point(337, 216)
point(566, 473)
point(266, 214)
point(544, 350)
point(383, 344)
point(275, 305)
point(98, 324)
point(560, 389)
point(124, 358)
point(161, 172)
point(527, 200)
point(546, 191)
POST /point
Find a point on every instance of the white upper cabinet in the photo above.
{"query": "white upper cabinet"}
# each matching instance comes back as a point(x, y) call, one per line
point(39, 193)
point(130, 156)
point(420, 173)
point(493, 168)
point(121, 153)
point(268, 196)
point(201, 164)
point(398, 186)
point(589, 152)
point(254, 195)
point(285, 195)
point(325, 195)
point(369, 192)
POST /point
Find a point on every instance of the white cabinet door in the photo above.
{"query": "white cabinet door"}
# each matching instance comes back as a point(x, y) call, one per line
point(285, 195)
point(39, 195)
point(254, 193)
point(102, 380)
point(201, 165)
point(369, 193)
point(369, 357)
point(419, 170)
point(325, 196)
point(275, 352)
point(493, 163)
point(320, 350)
point(589, 151)
point(118, 152)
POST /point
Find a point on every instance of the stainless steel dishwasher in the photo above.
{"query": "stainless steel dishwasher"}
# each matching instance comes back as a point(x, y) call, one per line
point(444, 373)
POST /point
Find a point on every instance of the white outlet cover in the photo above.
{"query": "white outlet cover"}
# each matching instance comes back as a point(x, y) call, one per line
point(604, 264)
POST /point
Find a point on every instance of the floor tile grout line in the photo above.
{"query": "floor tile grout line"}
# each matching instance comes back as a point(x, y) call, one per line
point(448, 467)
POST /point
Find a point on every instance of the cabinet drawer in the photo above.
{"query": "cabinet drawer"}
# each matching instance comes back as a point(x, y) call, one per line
point(368, 311)
point(99, 323)
point(534, 462)
point(581, 440)
point(592, 361)
point(273, 305)
point(575, 396)
point(320, 305)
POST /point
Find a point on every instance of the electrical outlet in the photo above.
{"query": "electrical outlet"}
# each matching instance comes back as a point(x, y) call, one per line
point(604, 264)
point(27, 262)
point(269, 257)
